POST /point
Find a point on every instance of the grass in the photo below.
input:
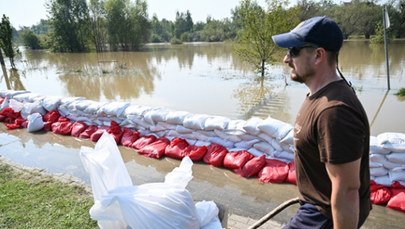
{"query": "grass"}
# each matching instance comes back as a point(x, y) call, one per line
point(30, 199)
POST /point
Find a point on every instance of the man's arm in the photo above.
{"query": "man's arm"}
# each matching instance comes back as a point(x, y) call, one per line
point(345, 201)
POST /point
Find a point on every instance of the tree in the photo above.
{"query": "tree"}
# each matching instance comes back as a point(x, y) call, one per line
point(254, 43)
point(6, 43)
point(29, 39)
point(70, 25)
point(183, 23)
point(99, 34)
point(127, 24)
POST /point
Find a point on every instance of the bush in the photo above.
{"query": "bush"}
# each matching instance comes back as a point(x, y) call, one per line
point(175, 41)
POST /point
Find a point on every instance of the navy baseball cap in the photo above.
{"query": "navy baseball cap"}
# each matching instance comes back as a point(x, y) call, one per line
point(321, 31)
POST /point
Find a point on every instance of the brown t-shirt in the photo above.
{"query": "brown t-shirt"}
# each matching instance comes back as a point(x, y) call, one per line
point(331, 126)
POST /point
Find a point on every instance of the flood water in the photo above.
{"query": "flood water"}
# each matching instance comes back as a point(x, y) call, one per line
point(199, 78)
point(208, 78)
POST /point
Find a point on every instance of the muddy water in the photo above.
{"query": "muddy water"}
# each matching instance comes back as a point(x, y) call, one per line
point(200, 78)
point(208, 78)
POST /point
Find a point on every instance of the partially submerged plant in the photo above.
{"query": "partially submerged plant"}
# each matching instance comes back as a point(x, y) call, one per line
point(401, 92)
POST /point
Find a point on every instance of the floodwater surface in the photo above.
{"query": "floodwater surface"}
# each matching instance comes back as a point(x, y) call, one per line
point(209, 78)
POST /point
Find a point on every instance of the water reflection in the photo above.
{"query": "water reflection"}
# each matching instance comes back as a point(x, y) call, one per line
point(201, 78)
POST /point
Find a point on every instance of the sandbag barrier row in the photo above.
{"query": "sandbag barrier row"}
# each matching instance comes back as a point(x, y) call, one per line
point(251, 148)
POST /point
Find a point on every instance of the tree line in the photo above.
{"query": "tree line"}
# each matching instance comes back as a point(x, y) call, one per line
point(112, 25)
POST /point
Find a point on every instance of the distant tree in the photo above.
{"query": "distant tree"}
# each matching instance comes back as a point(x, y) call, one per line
point(183, 23)
point(6, 43)
point(128, 25)
point(254, 43)
point(70, 25)
point(99, 33)
point(29, 39)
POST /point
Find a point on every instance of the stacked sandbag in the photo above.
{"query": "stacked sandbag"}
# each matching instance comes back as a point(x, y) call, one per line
point(387, 169)
point(256, 147)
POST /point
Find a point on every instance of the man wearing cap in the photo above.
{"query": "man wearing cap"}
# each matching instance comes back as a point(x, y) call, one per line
point(331, 132)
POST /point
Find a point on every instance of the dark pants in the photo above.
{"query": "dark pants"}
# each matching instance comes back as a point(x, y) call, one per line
point(308, 216)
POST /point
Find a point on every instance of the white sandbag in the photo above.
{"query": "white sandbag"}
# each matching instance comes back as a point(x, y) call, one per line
point(379, 171)
point(383, 180)
point(176, 117)
point(51, 103)
point(113, 109)
point(397, 174)
point(30, 108)
point(265, 148)
point(272, 141)
point(289, 138)
point(375, 157)
point(223, 142)
point(375, 146)
point(207, 212)
point(390, 165)
point(155, 115)
point(15, 105)
point(201, 143)
point(12, 93)
point(275, 128)
point(216, 123)
point(183, 130)
point(28, 97)
point(395, 147)
point(136, 110)
point(256, 152)
point(35, 122)
point(246, 144)
point(195, 121)
point(228, 137)
point(251, 125)
point(375, 164)
point(396, 157)
point(236, 124)
point(284, 156)
point(391, 137)
point(92, 108)
point(167, 126)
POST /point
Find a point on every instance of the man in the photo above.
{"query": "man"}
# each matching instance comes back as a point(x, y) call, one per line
point(331, 132)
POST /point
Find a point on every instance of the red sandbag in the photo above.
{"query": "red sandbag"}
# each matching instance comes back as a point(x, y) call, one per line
point(396, 188)
point(397, 202)
point(252, 167)
point(62, 128)
point(196, 153)
point(51, 116)
point(78, 128)
point(9, 115)
point(379, 194)
point(291, 178)
point(47, 126)
point(88, 131)
point(274, 171)
point(12, 126)
point(237, 159)
point(215, 155)
point(176, 148)
point(97, 134)
point(143, 141)
point(115, 131)
point(129, 137)
point(155, 149)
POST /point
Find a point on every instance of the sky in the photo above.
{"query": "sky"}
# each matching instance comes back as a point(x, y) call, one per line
point(30, 12)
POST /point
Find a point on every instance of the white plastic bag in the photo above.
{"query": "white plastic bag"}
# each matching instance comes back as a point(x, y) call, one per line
point(119, 204)
point(35, 122)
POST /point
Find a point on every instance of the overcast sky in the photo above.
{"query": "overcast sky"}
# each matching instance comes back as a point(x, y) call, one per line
point(30, 12)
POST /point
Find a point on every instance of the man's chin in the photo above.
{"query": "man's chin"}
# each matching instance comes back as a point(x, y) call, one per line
point(297, 78)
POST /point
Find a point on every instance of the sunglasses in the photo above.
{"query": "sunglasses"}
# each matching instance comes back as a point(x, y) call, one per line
point(295, 51)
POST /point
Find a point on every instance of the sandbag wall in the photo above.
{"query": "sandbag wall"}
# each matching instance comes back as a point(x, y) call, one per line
point(251, 148)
